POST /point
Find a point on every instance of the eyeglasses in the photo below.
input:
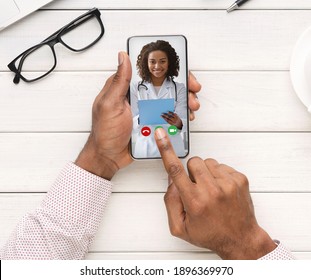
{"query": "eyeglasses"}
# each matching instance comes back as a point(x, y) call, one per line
point(78, 35)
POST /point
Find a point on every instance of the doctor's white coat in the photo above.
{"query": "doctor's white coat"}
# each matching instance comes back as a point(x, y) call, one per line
point(142, 146)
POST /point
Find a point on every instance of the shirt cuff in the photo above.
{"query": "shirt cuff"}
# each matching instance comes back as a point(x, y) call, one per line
point(279, 253)
point(78, 196)
point(67, 221)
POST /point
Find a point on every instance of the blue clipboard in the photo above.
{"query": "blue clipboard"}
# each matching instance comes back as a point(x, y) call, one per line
point(150, 111)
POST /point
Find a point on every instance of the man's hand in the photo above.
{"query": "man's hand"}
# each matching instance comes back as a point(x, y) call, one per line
point(193, 101)
point(211, 207)
point(106, 150)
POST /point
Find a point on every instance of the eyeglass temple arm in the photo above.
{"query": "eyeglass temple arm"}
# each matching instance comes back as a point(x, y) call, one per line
point(16, 79)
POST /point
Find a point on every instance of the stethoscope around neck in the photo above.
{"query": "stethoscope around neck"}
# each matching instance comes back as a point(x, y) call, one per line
point(143, 85)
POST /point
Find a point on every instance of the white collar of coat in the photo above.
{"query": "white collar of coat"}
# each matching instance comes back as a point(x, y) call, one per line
point(167, 83)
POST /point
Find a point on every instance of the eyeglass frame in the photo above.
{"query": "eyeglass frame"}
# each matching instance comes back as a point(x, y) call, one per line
point(51, 41)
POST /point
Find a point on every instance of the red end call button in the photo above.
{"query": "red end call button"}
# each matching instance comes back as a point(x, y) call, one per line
point(146, 131)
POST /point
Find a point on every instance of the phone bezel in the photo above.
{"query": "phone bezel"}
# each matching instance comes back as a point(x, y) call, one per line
point(158, 37)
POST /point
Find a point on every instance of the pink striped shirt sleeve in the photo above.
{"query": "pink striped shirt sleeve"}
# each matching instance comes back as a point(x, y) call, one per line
point(279, 253)
point(65, 224)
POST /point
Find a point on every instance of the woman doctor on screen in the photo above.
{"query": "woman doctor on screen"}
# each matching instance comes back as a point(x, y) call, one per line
point(158, 64)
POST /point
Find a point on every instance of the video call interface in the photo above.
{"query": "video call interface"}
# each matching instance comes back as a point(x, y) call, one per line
point(158, 93)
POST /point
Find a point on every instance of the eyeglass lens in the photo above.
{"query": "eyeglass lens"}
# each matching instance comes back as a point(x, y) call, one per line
point(83, 34)
point(40, 59)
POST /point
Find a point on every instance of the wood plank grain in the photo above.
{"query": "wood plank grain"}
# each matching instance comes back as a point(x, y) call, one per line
point(241, 59)
point(273, 162)
point(171, 256)
point(152, 256)
point(251, 40)
point(177, 4)
point(230, 101)
point(138, 223)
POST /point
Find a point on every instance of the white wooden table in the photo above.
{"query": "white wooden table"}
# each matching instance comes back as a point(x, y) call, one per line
point(250, 117)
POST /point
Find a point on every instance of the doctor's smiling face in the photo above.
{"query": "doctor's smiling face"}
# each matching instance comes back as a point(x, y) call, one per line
point(158, 66)
point(157, 61)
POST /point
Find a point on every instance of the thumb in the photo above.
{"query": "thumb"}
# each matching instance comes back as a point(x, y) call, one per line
point(118, 84)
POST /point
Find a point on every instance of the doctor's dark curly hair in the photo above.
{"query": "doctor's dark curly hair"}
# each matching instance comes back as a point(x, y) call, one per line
point(159, 45)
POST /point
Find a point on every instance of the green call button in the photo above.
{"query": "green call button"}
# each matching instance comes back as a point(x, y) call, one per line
point(172, 130)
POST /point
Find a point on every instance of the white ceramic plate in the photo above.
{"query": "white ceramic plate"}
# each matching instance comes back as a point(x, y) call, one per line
point(300, 68)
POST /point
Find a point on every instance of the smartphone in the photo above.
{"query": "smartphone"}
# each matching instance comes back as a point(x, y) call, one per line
point(158, 93)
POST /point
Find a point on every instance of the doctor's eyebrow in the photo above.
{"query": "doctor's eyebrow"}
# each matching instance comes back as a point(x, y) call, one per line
point(164, 59)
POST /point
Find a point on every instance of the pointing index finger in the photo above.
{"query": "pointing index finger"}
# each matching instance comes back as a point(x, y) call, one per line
point(173, 165)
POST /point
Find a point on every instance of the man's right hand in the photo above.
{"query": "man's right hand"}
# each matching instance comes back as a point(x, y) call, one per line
point(211, 207)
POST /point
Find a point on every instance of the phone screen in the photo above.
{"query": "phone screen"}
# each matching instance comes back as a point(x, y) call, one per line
point(158, 93)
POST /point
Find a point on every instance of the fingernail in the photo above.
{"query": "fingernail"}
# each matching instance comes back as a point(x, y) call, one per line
point(159, 133)
point(120, 58)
